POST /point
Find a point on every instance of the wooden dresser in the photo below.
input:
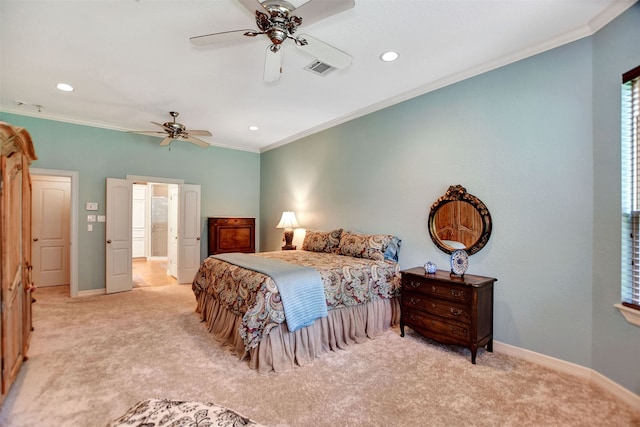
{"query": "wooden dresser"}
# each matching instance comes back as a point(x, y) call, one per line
point(231, 235)
point(449, 309)
point(16, 155)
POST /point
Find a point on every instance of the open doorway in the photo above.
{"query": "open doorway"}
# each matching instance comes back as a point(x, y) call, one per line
point(154, 213)
point(119, 230)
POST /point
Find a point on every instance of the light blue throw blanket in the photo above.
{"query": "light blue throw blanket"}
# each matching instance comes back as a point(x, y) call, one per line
point(300, 287)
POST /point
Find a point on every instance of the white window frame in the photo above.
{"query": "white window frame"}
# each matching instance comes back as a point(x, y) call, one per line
point(630, 181)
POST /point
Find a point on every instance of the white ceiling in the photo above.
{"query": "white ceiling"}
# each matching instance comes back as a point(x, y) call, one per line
point(131, 62)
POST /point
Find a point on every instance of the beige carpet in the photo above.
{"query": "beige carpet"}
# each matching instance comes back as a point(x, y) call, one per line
point(93, 358)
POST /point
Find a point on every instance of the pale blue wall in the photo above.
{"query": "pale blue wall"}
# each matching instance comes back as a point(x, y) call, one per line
point(521, 138)
point(616, 344)
point(229, 179)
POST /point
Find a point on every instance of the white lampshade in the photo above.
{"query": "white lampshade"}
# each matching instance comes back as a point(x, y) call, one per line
point(288, 221)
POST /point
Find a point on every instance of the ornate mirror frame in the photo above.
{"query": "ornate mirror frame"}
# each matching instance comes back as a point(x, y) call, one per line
point(457, 193)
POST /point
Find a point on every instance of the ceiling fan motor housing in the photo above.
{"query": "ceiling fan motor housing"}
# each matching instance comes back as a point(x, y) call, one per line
point(174, 128)
point(279, 25)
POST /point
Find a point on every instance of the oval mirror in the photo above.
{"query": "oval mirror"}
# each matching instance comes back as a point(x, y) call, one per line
point(459, 220)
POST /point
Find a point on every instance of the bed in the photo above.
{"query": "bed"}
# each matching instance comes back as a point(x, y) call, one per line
point(243, 308)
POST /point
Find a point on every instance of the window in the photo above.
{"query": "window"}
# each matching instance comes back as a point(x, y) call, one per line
point(631, 189)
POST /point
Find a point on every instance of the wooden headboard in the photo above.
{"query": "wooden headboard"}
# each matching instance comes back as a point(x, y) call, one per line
point(231, 235)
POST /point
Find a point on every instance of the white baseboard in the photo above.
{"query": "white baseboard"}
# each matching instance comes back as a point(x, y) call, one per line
point(92, 292)
point(589, 374)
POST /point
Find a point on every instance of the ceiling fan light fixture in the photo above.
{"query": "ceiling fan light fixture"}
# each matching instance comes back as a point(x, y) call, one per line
point(389, 56)
point(65, 87)
point(254, 128)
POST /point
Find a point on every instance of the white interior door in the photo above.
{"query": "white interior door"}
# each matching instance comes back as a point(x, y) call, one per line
point(118, 235)
point(172, 249)
point(50, 246)
point(188, 232)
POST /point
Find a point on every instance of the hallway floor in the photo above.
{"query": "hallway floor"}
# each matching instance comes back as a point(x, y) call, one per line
point(151, 273)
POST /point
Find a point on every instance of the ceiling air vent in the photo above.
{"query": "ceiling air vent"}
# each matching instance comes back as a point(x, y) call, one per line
point(319, 67)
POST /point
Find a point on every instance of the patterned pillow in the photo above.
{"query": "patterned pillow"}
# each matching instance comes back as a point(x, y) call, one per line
point(371, 246)
point(321, 241)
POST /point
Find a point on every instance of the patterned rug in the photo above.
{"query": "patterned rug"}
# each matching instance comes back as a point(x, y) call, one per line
point(162, 412)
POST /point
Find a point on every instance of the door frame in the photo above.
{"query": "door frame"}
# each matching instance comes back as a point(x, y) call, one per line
point(73, 222)
point(156, 180)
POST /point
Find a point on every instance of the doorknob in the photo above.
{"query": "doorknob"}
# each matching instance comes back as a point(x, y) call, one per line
point(35, 239)
point(109, 241)
point(198, 238)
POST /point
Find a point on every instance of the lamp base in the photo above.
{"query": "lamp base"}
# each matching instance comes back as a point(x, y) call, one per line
point(288, 238)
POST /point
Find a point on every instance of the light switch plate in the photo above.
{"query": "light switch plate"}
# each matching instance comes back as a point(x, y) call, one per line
point(102, 218)
point(91, 218)
point(92, 206)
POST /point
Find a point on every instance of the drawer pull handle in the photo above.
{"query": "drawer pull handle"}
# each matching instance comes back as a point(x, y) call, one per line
point(456, 293)
point(455, 311)
point(414, 284)
point(414, 301)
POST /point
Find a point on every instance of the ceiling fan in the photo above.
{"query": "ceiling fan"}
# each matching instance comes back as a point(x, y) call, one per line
point(175, 130)
point(276, 20)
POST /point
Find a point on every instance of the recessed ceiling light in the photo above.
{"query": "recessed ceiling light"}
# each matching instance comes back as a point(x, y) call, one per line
point(65, 87)
point(253, 128)
point(389, 56)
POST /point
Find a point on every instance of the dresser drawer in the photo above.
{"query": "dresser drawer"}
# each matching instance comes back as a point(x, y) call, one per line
point(231, 221)
point(231, 235)
point(439, 307)
point(437, 325)
point(433, 288)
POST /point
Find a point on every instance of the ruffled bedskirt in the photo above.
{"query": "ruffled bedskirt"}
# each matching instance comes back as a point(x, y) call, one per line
point(281, 350)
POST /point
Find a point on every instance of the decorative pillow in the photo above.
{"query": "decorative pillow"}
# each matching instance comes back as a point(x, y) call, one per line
point(321, 241)
point(371, 246)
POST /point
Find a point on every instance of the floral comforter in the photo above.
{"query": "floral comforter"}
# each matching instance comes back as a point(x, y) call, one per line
point(347, 281)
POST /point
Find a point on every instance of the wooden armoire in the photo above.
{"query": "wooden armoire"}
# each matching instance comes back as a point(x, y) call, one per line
point(16, 155)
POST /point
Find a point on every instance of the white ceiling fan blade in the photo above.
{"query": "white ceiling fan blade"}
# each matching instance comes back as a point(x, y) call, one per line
point(315, 10)
point(225, 36)
point(252, 6)
point(200, 132)
point(272, 65)
point(147, 132)
point(166, 141)
point(196, 141)
point(324, 52)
